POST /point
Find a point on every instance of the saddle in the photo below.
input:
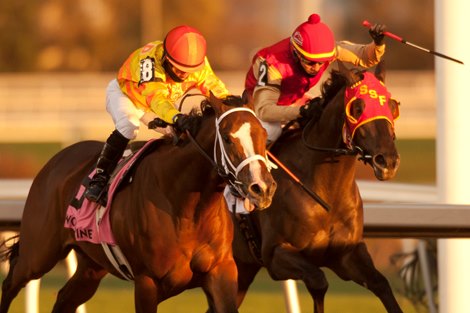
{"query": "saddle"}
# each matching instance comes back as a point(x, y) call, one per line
point(81, 213)
point(90, 221)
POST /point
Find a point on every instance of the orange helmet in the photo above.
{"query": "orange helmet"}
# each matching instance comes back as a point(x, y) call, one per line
point(185, 48)
point(314, 41)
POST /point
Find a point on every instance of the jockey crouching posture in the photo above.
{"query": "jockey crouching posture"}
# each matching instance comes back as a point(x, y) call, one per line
point(148, 84)
point(282, 74)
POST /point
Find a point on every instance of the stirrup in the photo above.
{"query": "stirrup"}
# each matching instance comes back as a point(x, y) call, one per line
point(95, 191)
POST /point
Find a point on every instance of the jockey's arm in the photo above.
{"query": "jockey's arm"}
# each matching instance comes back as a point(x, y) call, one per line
point(266, 108)
point(208, 81)
point(157, 96)
point(360, 55)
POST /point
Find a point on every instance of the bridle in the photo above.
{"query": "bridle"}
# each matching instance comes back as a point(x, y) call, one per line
point(353, 150)
point(227, 169)
point(373, 92)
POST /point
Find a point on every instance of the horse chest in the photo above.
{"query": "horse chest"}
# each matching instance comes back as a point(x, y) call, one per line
point(320, 232)
point(197, 255)
point(203, 259)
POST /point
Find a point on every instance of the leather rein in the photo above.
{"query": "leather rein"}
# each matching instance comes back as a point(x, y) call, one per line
point(354, 150)
point(227, 170)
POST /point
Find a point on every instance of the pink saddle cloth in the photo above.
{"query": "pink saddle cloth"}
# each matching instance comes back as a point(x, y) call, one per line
point(89, 221)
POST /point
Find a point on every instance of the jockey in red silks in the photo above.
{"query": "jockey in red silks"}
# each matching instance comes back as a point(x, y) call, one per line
point(280, 75)
point(148, 85)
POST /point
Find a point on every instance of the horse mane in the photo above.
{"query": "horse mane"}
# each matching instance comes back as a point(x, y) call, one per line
point(335, 83)
point(230, 100)
point(205, 111)
point(197, 115)
point(329, 90)
point(332, 86)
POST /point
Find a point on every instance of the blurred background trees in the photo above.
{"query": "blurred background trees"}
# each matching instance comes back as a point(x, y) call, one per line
point(97, 35)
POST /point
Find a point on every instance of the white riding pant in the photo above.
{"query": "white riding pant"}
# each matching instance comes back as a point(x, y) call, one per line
point(126, 116)
point(274, 130)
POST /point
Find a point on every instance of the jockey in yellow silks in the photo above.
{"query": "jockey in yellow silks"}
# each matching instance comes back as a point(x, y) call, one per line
point(148, 85)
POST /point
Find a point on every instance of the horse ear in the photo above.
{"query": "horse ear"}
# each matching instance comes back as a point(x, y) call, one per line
point(216, 103)
point(350, 75)
point(394, 108)
point(380, 71)
point(247, 99)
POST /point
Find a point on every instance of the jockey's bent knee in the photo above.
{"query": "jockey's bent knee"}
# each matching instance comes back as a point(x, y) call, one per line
point(274, 130)
point(127, 128)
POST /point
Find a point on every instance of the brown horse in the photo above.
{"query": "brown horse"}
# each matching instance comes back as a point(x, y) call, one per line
point(171, 222)
point(297, 235)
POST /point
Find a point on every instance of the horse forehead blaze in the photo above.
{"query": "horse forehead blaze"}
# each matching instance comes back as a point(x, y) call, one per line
point(243, 134)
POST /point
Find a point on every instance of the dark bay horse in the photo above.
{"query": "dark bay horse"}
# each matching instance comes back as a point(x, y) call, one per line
point(171, 221)
point(297, 236)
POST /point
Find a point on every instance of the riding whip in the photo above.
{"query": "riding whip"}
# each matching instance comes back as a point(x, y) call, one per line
point(399, 39)
point(311, 193)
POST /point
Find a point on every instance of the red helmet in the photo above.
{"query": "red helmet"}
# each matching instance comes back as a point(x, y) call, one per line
point(314, 40)
point(185, 48)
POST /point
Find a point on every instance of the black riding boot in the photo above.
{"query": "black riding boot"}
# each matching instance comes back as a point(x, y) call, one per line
point(107, 161)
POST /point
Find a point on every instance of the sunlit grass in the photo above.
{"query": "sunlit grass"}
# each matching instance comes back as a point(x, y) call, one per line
point(265, 296)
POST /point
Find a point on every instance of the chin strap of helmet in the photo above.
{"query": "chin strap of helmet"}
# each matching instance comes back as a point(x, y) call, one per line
point(169, 70)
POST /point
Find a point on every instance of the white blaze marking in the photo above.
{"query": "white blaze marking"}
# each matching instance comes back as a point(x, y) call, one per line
point(243, 134)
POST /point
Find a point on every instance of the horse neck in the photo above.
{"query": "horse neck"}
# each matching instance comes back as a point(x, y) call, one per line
point(327, 131)
point(185, 167)
point(319, 167)
point(205, 139)
point(332, 172)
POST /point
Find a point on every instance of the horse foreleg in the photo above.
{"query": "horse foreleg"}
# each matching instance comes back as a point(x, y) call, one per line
point(289, 264)
point(246, 275)
point(81, 286)
point(220, 287)
point(145, 295)
point(359, 267)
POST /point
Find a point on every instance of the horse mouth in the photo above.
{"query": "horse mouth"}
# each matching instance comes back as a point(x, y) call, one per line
point(385, 169)
point(251, 206)
point(260, 198)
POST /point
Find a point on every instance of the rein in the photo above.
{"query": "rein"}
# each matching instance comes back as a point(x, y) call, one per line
point(355, 150)
point(227, 170)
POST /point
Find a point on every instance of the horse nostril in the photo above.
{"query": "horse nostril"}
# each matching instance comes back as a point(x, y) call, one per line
point(263, 190)
point(380, 160)
point(255, 189)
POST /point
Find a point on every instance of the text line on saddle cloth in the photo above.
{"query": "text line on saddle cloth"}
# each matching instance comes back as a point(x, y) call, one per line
point(89, 221)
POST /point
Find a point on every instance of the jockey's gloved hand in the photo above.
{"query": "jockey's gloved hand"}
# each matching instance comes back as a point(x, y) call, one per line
point(157, 123)
point(311, 111)
point(377, 33)
point(312, 108)
point(184, 122)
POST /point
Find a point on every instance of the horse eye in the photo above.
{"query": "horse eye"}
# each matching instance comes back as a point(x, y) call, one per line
point(356, 108)
point(226, 139)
